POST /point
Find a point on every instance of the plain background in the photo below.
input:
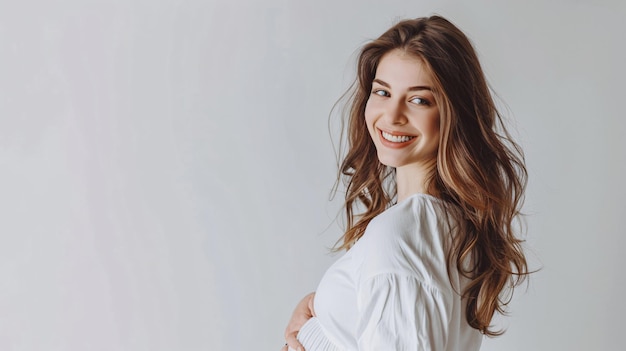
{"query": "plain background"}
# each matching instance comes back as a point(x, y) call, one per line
point(166, 165)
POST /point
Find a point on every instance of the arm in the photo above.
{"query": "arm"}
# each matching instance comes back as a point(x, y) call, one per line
point(301, 314)
point(399, 312)
point(404, 297)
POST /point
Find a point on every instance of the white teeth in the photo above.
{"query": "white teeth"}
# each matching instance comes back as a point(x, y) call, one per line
point(397, 138)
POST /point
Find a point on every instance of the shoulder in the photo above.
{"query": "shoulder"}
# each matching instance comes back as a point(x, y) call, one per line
point(416, 221)
point(407, 239)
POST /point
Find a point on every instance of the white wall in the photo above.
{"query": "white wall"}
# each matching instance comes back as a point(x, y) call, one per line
point(166, 165)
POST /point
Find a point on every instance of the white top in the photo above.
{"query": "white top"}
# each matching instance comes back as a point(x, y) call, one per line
point(391, 290)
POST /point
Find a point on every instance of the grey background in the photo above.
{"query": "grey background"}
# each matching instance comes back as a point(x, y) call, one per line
point(166, 165)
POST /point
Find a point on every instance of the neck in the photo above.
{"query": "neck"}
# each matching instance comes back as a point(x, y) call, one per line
point(411, 179)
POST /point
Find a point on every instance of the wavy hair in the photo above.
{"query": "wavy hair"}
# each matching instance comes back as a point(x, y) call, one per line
point(479, 174)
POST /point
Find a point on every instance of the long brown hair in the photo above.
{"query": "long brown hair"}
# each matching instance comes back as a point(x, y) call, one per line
point(480, 173)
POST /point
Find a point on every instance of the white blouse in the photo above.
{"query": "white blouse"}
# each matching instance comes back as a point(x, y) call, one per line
point(391, 290)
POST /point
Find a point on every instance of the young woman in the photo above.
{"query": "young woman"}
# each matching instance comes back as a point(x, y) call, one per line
point(434, 185)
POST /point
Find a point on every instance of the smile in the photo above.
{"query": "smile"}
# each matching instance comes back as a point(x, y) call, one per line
point(396, 138)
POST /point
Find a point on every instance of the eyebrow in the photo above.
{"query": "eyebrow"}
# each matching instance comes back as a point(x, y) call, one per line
point(415, 88)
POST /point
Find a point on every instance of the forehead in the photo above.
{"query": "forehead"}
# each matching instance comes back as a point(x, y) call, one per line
point(398, 67)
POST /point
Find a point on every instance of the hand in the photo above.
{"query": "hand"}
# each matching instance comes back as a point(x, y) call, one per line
point(301, 314)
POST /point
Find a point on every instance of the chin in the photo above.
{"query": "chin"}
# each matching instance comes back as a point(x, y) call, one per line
point(391, 162)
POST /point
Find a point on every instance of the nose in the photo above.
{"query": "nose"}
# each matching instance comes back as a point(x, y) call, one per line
point(395, 113)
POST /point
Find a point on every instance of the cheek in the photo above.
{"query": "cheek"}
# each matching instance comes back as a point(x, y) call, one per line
point(433, 125)
point(435, 133)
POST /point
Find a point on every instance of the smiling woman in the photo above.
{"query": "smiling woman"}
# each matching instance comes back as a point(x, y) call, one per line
point(440, 184)
point(403, 118)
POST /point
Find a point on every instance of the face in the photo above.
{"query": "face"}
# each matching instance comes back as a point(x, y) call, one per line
point(401, 114)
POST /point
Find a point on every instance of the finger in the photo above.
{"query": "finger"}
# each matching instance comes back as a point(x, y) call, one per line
point(293, 342)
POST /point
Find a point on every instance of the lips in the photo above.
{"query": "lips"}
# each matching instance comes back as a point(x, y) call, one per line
point(395, 140)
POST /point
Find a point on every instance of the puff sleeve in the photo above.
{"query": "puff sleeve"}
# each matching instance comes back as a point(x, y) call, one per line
point(399, 312)
point(404, 297)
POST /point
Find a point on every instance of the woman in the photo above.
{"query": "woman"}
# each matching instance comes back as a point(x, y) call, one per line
point(434, 185)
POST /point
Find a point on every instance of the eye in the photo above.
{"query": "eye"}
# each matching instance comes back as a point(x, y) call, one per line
point(420, 101)
point(380, 92)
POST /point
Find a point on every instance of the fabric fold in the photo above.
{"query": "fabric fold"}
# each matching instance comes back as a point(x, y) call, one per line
point(312, 337)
